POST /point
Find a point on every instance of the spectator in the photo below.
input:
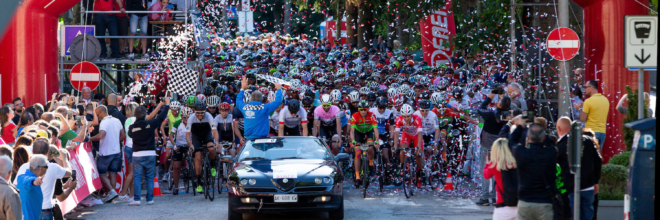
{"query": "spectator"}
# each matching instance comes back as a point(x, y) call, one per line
point(26, 120)
point(144, 149)
point(160, 5)
point(24, 141)
point(536, 164)
point(58, 168)
point(108, 162)
point(622, 106)
point(63, 186)
point(595, 110)
point(18, 109)
point(136, 19)
point(6, 150)
point(491, 129)
point(29, 184)
point(86, 95)
point(576, 102)
point(501, 160)
point(541, 121)
point(107, 23)
point(506, 129)
point(591, 163)
point(7, 126)
point(10, 200)
point(128, 154)
point(563, 128)
point(122, 27)
point(21, 156)
point(517, 95)
point(113, 110)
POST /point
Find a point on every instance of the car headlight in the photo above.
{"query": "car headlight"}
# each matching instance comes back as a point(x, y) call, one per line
point(253, 181)
point(327, 180)
point(318, 180)
point(244, 182)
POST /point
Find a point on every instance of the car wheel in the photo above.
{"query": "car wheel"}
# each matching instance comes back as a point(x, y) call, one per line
point(339, 213)
point(232, 215)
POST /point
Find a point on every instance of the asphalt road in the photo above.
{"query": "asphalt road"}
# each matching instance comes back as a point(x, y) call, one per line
point(391, 204)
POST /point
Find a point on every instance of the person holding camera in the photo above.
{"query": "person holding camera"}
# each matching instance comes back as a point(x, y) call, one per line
point(494, 120)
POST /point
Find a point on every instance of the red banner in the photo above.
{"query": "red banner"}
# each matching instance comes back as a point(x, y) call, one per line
point(331, 32)
point(437, 29)
point(87, 175)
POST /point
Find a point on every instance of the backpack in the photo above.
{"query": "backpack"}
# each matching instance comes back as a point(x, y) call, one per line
point(510, 187)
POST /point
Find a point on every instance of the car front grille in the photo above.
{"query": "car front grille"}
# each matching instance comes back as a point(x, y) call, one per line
point(311, 189)
point(286, 186)
point(260, 190)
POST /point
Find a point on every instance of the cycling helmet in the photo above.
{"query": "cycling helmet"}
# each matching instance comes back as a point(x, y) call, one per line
point(185, 111)
point(326, 99)
point(436, 97)
point(381, 102)
point(220, 90)
point(212, 101)
point(271, 96)
point(175, 105)
point(208, 91)
point(407, 110)
point(310, 93)
point(399, 100)
point(263, 90)
point(442, 85)
point(200, 106)
point(293, 106)
point(363, 104)
point(424, 80)
point(425, 95)
point(432, 88)
point(308, 100)
point(354, 96)
point(201, 97)
point(403, 89)
point(364, 90)
point(373, 85)
point(371, 96)
point(457, 93)
point(335, 94)
point(224, 106)
point(214, 84)
point(381, 93)
point(425, 104)
point(391, 92)
point(191, 100)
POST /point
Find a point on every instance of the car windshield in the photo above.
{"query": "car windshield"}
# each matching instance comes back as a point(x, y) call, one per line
point(284, 148)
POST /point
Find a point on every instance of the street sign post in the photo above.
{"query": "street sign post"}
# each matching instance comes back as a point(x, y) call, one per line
point(85, 74)
point(641, 41)
point(563, 44)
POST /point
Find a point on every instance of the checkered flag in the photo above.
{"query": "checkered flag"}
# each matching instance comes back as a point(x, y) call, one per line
point(182, 81)
point(272, 79)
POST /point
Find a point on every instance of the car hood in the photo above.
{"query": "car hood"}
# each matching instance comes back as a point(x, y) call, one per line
point(300, 167)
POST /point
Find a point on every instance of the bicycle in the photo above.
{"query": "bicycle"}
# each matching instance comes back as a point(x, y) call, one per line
point(379, 168)
point(191, 172)
point(223, 168)
point(185, 175)
point(207, 176)
point(364, 169)
point(409, 167)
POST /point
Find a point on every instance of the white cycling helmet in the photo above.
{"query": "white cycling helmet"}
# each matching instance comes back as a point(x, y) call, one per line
point(407, 110)
point(364, 90)
point(436, 97)
point(271, 96)
point(354, 96)
point(201, 98)
point(175, 105)
point(335, 94)
point(212, 101)
point(185, 111)
point(391, 92)
point(326, 99)
point(403, 89)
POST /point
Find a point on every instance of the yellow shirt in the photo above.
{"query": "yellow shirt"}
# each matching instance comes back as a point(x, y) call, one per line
point(597, 106)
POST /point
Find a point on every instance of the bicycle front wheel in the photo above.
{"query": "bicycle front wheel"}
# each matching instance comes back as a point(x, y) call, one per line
point(408, 178)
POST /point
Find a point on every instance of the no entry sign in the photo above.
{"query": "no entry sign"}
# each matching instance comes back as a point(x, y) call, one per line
point(563, 44)
point(85, 74)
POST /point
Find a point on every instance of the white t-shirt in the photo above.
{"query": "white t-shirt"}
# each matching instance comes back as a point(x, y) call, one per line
point(110, 144)
point(129, 140)
point(290, 121)
point(54, 172)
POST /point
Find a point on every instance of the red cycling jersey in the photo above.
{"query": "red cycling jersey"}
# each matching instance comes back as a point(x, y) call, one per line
point(410, 130)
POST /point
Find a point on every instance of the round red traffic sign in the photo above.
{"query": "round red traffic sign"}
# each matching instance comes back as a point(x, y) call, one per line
point(563, 44)
point(85, 74)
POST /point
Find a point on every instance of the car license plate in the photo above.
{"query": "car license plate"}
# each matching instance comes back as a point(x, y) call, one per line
point(286, 198)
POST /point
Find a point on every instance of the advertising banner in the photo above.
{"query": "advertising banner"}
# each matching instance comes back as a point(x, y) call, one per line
point(437, 29)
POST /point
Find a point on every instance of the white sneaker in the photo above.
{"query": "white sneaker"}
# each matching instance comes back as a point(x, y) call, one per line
point(125, 198)
point(111, 195)
point(166, 176)
point(134, 203)
point(150, 202)
point(131, 56)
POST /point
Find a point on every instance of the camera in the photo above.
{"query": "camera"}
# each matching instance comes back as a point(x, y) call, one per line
point(497, 89)
point(529, 115)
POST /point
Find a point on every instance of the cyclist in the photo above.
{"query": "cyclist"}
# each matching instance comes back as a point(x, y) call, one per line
point(327, 119)
point(308, 105)
point(239, 122)
point(225, 126)
point(172, 116)
point(383, 117)
point(291, 118)
point(212, 103)
point(363, 127)
point(430, 126)
point(201, 132)
point(178, 140)
point(407, 127)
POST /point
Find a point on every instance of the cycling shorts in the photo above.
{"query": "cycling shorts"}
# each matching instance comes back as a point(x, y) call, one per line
point(327, 132)
point(361, 138)
point(177, 155)
point(291, 131)
point(428, 138)
point(226, 136)
point(385, 137)
point(407, 138)
point(200, 142)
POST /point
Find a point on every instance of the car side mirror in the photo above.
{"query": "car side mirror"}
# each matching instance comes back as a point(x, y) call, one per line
point(227, 159)
point(342, 157)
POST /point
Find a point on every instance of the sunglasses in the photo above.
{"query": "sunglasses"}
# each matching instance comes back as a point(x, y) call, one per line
point(184, 117)
point(326, 106)
point(362, 109)
point(423, 110)
point(307, 106)
point(200, 113)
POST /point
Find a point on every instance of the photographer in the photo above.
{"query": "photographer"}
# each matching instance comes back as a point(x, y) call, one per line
point(493, 121)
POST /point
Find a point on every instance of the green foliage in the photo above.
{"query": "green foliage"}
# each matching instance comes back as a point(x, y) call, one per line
point(494, 21)
point(622, 159)
point(629, 134)
point(613, 180)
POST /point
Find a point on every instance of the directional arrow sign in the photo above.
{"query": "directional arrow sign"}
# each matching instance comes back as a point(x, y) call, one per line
point(641, 41)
